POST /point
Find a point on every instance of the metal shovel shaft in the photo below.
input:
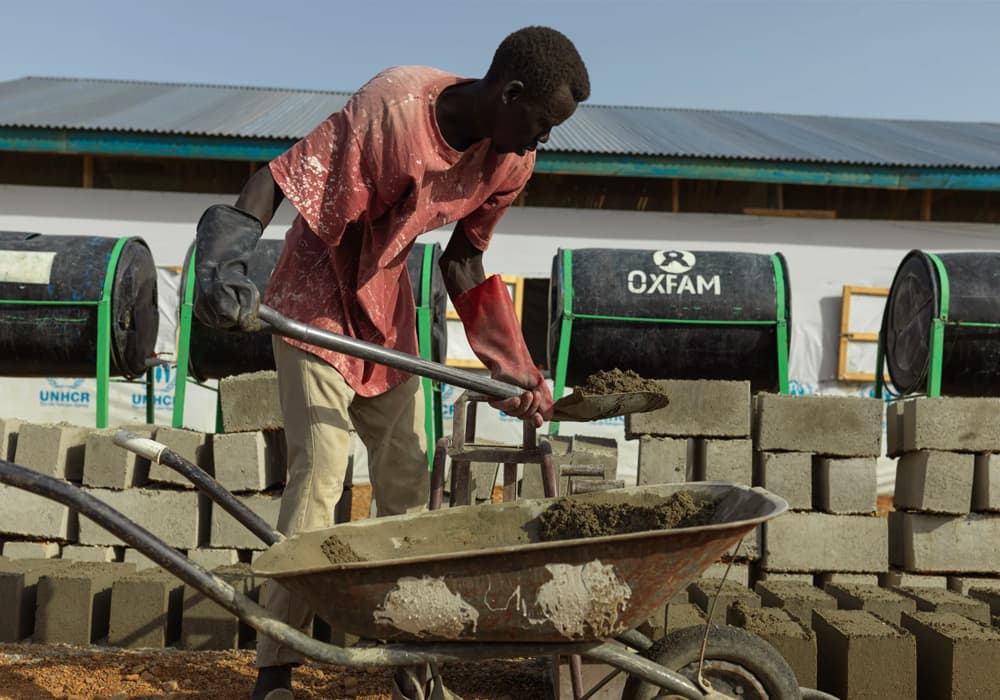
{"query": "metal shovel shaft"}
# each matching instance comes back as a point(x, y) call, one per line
point(364, 350)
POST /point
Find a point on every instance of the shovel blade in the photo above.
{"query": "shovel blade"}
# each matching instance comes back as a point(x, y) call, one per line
point(582, 407)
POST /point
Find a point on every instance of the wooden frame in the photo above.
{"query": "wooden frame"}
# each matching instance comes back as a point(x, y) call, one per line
point(848, 336)
point(515, 285)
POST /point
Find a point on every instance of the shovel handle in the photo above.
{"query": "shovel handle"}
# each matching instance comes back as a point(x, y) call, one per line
point(280, 325)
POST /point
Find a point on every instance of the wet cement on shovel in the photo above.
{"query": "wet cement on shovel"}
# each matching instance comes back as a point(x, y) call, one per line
point(617, 381)
point(568, 519)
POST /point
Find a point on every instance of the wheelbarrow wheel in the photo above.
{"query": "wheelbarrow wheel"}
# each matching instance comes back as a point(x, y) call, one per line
point(737, 663)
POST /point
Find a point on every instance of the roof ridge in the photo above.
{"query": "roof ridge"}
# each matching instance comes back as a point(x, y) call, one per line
point(164, 83)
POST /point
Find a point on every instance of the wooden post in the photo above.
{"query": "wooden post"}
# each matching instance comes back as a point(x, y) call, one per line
point(926, 199)
point(88, 172)
point(781, 196)
point(676, 194)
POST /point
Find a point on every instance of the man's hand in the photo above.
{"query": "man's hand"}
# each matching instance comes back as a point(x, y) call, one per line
point(224, 295)
point(491, 325)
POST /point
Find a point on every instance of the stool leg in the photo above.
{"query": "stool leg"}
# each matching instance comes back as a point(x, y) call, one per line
point(509, 482)
point(461, 483)
point(550, 483)
point(437, 473)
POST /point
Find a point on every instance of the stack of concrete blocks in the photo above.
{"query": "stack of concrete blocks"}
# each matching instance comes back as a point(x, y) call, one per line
point(946, 523)
point(819, 453)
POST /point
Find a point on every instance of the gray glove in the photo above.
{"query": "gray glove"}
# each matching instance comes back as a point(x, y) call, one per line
point(224, 295)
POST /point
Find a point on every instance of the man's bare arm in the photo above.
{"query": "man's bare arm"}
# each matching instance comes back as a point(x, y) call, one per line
point(261, 196)
point(461, 264)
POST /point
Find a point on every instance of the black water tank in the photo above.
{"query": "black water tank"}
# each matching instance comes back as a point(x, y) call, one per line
point(218, 353)
point(699, 289)
point(60, 340)
point(970, 361)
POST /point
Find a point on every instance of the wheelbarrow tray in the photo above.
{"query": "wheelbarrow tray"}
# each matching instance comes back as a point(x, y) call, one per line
point(482, 573)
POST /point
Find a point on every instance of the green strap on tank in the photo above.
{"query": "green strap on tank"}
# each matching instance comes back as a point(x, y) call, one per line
point(104, 335)
point(425, 350)
point(781, 323)
point(937, 329)
point(565, 333)
point(184, 344)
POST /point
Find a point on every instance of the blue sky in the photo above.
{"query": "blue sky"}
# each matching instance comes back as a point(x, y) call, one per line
point(878, 58)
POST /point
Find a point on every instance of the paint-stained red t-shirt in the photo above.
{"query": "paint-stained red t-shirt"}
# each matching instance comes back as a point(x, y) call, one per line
point(366, 182)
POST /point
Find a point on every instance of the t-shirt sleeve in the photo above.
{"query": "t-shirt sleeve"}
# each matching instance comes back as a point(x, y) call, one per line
point(480, 224)
point(323, 176)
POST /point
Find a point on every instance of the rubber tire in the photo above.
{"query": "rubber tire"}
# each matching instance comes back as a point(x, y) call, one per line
point(733, 644)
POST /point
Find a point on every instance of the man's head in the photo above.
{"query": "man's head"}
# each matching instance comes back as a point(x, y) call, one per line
point(539, 79)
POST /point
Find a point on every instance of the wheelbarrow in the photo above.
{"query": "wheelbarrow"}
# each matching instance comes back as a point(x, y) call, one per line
point(477, 582)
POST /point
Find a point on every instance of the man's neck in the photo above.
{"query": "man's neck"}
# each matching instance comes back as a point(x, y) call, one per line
point(459, 115)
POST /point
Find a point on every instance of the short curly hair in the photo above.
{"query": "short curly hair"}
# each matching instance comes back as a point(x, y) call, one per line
point(543, 59)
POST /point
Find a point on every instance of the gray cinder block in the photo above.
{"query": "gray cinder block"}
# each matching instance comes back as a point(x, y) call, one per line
point(227, 532)
point(30, 515)
point(192, 445)
point(74, 602)
point(795, 641)
point(106, 465)
point(845, 484)
point(930, 543)
point(956, 658)
point(986, 483)
point(697, 408)
point(724, 460)
point(934, 481)
point(952, 424)
point(52, 449)
point(250, 402)
point(886, 604)
point(789, 475)
point(663, 460)
point(834, 426)
point(145, 610)
point(176, 517)
point(821, 542)
point(249, 461)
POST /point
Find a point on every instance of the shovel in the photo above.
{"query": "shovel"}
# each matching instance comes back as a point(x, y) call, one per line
point(575, 407)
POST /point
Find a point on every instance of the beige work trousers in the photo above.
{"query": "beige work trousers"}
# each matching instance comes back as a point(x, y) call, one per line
point(319, 409)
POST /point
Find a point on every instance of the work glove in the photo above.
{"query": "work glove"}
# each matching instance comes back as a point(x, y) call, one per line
point(491, 325)
point(224, 295)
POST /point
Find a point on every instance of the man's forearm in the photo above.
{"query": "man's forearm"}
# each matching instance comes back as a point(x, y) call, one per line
point(260, 196)
point(461, 264)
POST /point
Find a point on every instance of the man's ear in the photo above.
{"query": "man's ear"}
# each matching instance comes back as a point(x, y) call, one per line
point(512, 91)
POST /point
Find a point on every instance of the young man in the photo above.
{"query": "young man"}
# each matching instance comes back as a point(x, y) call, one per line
point(413, 150)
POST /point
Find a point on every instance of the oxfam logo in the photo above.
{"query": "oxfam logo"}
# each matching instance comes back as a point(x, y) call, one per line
point(674, 261)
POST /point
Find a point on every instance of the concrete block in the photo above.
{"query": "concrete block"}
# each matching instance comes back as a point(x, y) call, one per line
point(894, 578)
point(138, 559)
point(207, 625)
point(823, 578)
point(986, 483)
point(74, 603)
point(30, 515)
point(227, 532)
point(942, 600)
point(934, 481)
point(989, 596)
point(250, 461)
point(80, 552)
point(834, 426)
point(9, 428)
point(52, 449)
point(697, 408)
point(31, 549)
point(250, 402)
point(952, 424)
point(106, 465)
point(821, 542)
point(929, 543)
point(18, 591)
point(703, 592)
point(681, 615)
point(862, 656)
point(845, 485)
point(797, 598)
point(956, 658)
point(192, 445)
point(886, 604)
point(175, 517)
point(663, 460)
point(794, 640)
point(782, 576)
point(964, 584)
point(724, 460)
point(787, 474)
point(211, 559)
point(894, 428)
point(145, 610)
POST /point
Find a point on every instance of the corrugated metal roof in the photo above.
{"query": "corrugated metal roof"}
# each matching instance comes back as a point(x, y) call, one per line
point(268, 113)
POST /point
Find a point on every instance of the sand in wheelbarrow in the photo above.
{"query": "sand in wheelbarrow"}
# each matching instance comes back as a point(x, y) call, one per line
point(569, 519)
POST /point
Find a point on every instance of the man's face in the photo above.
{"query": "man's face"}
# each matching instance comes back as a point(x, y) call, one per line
point(522, 124)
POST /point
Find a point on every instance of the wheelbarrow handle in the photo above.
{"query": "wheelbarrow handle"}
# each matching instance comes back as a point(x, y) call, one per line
point(280, 325)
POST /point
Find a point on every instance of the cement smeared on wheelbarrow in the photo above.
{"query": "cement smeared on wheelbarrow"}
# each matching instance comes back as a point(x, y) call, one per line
point(568, 519)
